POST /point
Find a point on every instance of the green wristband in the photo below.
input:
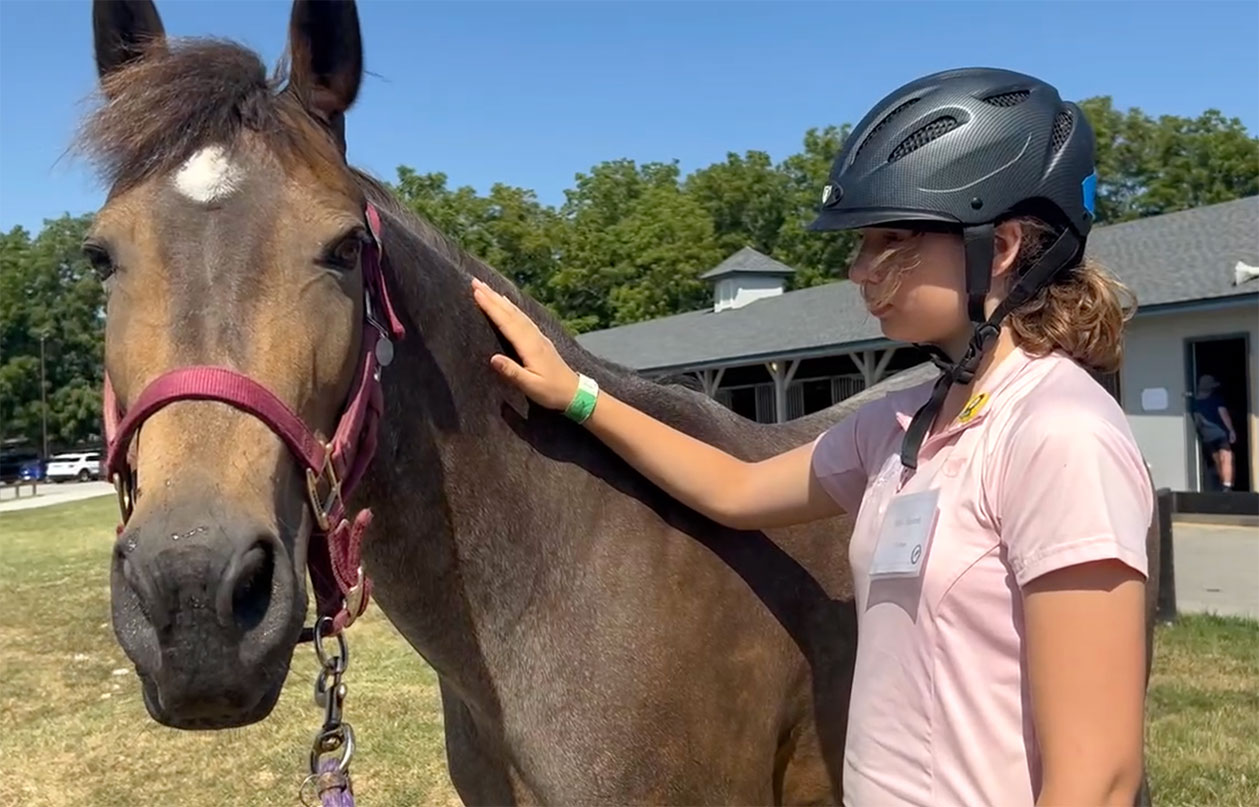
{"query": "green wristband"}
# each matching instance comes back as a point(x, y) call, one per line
point(583, 403)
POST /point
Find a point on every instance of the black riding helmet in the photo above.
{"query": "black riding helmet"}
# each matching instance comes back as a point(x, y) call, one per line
point(965, 149)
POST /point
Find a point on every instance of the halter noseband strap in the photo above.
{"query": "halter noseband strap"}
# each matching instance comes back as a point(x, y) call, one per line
point(333, 468)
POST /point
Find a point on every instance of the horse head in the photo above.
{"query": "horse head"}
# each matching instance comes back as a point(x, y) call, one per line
point(237, 252)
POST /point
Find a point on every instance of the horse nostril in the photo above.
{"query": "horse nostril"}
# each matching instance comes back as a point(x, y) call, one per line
point(245, 593)
point(134, 582)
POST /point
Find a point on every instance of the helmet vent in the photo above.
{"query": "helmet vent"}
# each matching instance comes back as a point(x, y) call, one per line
point(886, 120)
point(1013, 98)
point(1063, 124)
point(920, 138)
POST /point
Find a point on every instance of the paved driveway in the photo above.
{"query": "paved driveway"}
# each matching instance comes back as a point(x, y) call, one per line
point(1217, 568)
point(50, 493)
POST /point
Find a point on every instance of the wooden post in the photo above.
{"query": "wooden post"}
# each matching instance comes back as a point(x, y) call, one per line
point(872, 370)
point(782, 379)
point(860, 359)
point(1167, 566)
point(712, 381)
point(881, 367)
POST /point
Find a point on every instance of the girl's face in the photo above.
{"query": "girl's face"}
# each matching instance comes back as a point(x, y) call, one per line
point(915, 282)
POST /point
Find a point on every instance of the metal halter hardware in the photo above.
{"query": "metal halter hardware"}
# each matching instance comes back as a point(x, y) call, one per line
point(333, 467)
point(330, 775)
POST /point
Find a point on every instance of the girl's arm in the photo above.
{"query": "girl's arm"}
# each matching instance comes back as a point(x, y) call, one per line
point(1086, 668)
point(1082, 572)
point(779, 491)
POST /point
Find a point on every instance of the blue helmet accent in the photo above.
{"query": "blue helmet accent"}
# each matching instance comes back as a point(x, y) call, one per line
point(1089, 187)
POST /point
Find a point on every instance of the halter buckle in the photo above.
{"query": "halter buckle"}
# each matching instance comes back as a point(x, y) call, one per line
point(126, 502)
point(324, 505)
point(354, 597)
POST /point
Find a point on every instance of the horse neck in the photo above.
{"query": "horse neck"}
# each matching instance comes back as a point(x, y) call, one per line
point(452, 427)
point(436, 380)
point(470, 483)
point(444, 372)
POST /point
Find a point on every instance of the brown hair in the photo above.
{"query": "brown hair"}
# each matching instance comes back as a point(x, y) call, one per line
point(1082, 312)
point(887, 270)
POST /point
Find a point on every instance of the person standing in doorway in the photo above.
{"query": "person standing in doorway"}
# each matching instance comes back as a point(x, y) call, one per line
point(1215, 428)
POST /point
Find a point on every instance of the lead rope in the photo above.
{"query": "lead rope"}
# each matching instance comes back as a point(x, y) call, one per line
point(330, 775)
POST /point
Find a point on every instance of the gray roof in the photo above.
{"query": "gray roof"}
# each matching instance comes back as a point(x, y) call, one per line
point(748, 261)
point(1175, 258)
point(1185, 256)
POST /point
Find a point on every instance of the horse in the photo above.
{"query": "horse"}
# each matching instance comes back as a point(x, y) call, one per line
point(595, 641)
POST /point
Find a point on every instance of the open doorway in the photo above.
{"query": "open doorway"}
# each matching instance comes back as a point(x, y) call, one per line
point(1226, 359)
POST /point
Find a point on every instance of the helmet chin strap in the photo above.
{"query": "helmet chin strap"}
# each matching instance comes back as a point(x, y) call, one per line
point(979, 252)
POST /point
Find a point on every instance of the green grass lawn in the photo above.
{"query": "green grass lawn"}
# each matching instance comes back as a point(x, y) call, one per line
point(75, 731)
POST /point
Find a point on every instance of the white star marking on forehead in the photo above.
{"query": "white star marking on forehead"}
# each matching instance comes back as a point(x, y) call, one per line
point(208, 176)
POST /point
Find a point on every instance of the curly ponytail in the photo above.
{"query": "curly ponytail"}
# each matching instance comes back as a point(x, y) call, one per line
point(1082, 312)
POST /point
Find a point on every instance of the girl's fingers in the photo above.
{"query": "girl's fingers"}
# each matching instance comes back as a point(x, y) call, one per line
point(524, 380)
point(518, 328)
point(501, 316)
point(506, 367)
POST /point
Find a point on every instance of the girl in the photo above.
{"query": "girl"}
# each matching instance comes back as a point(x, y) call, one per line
point(998, 553)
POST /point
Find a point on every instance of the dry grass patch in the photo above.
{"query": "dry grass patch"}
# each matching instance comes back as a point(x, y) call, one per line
point(75, 728)
point(76, 732)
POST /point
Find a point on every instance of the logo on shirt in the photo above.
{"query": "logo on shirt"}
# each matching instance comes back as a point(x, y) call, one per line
point(972, 407)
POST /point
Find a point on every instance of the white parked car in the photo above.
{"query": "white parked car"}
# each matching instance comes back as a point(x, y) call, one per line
point(80, 465)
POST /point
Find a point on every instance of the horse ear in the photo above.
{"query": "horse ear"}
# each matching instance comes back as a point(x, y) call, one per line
point(123, 30)
point(326, 57)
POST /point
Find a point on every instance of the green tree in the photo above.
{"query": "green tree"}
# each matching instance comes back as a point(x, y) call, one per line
point(47, 288)
point(1193, 162)
point(746, 198)
point(1147, 167)
point(508, 229)
point(818, 257)
point(634, 247)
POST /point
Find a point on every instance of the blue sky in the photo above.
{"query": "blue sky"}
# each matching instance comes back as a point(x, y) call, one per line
point(531, 93)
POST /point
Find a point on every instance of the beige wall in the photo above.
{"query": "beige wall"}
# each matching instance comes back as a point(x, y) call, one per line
point(1154, 357)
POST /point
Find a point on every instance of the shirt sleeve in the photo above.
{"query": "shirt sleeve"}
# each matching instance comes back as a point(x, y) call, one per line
point(846, 454)
point(1073, 488)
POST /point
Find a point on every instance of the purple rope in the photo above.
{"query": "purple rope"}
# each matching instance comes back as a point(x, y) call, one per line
point(336, 792)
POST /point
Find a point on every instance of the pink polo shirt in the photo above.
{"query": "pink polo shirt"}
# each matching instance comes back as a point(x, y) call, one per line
point(1043, 474)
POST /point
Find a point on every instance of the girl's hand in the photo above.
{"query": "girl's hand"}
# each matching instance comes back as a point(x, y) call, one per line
point(545, 377)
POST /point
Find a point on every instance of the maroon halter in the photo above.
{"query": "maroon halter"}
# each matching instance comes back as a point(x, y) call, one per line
point(333, 468)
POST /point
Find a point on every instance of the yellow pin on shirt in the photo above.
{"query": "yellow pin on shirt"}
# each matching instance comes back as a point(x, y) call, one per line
point(972, 407)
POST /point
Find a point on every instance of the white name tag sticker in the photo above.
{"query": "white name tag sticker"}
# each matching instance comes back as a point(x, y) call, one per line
point(905, 535)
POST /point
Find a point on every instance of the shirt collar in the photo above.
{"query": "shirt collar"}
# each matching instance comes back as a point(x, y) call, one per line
point(981, 400)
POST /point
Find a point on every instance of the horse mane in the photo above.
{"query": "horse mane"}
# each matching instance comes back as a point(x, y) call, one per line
point(674, 399)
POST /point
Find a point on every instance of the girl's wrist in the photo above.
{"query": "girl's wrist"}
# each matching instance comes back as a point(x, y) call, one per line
point(584, 399)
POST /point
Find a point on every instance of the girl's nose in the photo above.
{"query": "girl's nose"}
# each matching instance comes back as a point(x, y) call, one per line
point(859, 272)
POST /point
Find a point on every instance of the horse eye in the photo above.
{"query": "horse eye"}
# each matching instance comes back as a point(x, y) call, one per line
point(345, 254)
point(98, 256)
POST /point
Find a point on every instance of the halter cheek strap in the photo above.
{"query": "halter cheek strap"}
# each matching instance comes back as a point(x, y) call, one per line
point(333, 468)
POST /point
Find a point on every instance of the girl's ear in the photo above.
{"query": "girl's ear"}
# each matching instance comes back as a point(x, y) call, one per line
point(1007, 240)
